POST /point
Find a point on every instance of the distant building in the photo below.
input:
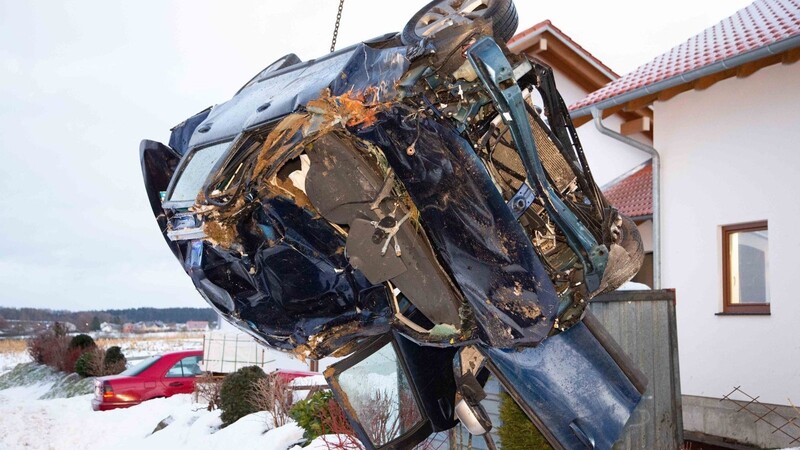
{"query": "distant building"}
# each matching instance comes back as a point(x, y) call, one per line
point(127, 328)
point(196, 325)
point(107, 327)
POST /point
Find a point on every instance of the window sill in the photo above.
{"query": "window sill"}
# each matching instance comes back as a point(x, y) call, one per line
point(743, 314)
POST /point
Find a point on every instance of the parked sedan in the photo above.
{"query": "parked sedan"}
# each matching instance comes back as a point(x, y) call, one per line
point(157, 376)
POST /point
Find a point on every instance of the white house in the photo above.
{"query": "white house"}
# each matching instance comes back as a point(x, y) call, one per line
point(726, 112)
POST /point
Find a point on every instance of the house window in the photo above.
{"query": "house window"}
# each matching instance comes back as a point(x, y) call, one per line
point(745, 268)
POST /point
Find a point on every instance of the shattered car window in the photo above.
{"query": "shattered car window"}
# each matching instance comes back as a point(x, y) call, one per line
point(196, 172)
point(379, 394)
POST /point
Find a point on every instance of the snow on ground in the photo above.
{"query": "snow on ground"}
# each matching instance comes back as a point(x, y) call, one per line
point(70, 423)
point(9, 360)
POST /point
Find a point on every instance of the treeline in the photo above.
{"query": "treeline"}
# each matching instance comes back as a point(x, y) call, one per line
point(166, 315)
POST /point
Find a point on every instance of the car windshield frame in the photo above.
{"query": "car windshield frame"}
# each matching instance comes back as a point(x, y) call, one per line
point(228, 145)
point(416, 433)
point(141, 366)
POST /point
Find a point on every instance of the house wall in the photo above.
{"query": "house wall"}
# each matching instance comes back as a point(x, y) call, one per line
point(607, 158)
point(730, 155)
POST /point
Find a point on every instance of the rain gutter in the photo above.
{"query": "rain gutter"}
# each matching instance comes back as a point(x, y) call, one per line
point(597, 114)
point(728, 63)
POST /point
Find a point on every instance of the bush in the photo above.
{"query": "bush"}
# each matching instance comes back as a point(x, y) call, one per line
point(319, 414)
point(114, 361)
point(517, 431)
point(98, 363)
point(87, 364)
point(82, 341)
point(207, 387)
point(237, 388)
point(274, 394)
point(52, 349)
point(40, 348)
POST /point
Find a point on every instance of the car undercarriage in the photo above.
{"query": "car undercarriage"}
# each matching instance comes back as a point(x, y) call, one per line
point(426, 197)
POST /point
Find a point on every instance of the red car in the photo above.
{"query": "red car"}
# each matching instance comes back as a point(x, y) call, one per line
point(157, 376)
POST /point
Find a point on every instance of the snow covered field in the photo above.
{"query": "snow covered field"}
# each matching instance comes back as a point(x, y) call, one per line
point(28, 422)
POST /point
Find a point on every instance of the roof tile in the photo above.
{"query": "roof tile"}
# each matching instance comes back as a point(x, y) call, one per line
point(632, 195)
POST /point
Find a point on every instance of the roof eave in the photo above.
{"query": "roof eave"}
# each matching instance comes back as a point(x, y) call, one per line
point(526, 41)
point(724, 64)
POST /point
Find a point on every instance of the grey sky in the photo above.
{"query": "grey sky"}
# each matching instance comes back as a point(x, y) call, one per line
point(82, 82)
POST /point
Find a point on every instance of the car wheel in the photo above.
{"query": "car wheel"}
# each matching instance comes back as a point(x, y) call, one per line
point(440, 14)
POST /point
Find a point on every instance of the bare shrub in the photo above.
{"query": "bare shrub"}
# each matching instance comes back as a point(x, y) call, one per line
point(38, 347)
point(207, 388)
point(52, 348)
point(274, 394)
point(383, 418)
point(342, 436)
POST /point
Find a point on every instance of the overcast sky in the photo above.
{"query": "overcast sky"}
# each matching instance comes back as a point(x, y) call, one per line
point(82, 82)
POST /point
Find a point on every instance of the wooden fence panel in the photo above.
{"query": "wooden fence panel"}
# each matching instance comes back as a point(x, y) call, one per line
point(643, 324)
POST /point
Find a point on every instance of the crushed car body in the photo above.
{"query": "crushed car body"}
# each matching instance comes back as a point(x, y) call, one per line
point(420, 196)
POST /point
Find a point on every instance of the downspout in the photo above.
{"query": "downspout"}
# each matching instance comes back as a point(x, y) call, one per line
point(650, 150)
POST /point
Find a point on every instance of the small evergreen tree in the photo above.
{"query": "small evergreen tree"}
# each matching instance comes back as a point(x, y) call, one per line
point(95, 325)
point(82, 341)
point(237, 388)
point(85, 364)
point(114, 361)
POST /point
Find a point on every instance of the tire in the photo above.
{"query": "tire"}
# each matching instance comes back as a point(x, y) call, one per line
point(503, 14)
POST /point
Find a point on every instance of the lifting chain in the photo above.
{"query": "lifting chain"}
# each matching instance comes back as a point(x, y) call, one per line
point(336, 27)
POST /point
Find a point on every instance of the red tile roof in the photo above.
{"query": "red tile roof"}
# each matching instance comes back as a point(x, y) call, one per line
point(632, 194)
point(762, 23)
point(547, 25)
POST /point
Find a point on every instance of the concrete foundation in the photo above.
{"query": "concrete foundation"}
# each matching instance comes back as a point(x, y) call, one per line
point(723, 419)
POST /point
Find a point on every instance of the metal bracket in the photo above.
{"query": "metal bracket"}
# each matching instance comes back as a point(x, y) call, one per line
point(521, 201)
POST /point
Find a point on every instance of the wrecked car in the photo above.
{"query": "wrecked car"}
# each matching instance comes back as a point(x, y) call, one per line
point(421, 202)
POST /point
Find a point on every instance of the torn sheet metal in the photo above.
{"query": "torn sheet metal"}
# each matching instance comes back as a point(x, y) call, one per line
point(491, 259)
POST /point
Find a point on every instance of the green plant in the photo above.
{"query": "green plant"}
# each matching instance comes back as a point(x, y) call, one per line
point(517, 431)
point(95, 362)
point(114, 360)
point(82, 341)
point(237, 388)
point(84, 365)
point(315, 415)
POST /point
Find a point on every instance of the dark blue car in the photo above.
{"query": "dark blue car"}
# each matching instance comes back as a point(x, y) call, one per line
point(422, 202)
